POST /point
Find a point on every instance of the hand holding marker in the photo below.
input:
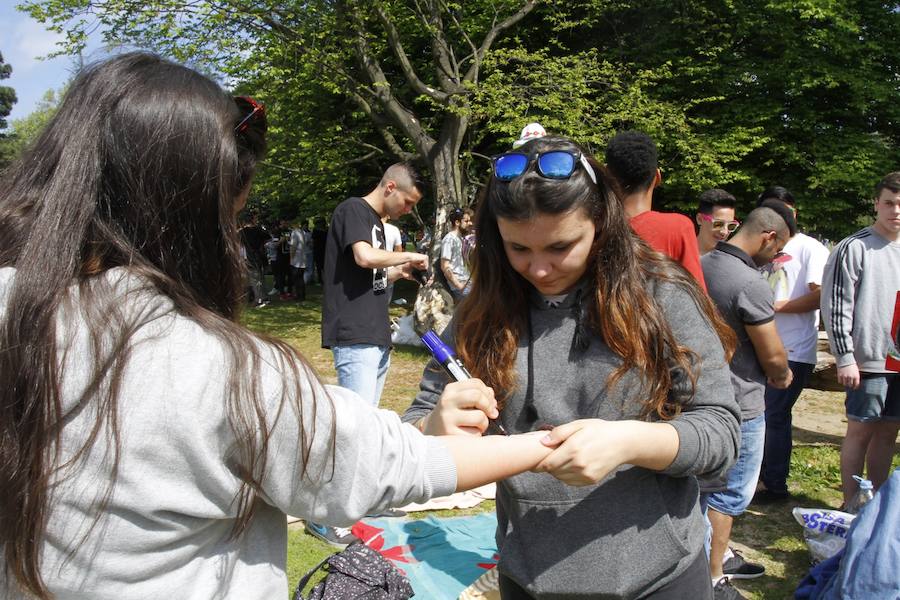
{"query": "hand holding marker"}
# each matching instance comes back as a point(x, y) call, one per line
point(447, 358)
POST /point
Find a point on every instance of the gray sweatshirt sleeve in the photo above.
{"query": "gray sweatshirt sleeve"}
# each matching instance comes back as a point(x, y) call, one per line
point(432, 384)
point(361, 459)
point(842, 273)
point(709, 425)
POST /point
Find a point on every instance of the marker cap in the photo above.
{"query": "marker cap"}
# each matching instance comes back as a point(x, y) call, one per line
point(438, 348)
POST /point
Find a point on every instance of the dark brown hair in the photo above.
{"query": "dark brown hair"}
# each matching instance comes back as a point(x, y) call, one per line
point(140, 169)
point(712, 198)
point(891, 181)
point(621, 310)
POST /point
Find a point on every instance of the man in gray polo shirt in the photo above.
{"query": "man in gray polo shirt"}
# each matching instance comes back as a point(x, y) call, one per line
point(745, 300)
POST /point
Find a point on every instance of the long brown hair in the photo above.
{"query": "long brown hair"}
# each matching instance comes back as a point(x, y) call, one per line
point(621, 308)
point(141, 169)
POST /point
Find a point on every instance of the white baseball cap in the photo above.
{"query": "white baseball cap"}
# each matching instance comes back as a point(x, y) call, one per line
point(532, 131)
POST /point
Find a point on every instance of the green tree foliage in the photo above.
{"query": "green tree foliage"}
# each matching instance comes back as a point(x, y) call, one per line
point(7, 94)
point(585, 96)
point(358, 84)
point(814, 84)
point(25, 130)
point(738, 94)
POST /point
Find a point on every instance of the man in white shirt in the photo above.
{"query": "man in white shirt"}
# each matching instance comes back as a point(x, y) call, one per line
point(796, 279)
point(453, 264)
point(298, 263)
point(393, 241)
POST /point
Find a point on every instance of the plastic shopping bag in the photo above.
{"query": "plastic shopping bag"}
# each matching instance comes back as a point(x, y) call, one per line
point(824, 529)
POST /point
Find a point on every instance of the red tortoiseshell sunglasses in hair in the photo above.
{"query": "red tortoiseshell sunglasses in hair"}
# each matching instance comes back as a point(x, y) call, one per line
point(255, 111)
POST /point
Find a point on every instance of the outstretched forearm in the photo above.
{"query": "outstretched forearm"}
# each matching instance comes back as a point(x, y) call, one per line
point(483, 459)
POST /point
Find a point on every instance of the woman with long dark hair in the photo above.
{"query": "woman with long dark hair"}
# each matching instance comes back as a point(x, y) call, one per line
point(581, 329)
point(150, 444)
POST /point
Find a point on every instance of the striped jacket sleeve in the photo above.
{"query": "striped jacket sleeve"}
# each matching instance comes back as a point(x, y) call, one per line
point(840, 279)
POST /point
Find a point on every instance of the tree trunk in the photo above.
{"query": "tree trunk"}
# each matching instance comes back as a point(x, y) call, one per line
point(455, 78)
point(434, 303)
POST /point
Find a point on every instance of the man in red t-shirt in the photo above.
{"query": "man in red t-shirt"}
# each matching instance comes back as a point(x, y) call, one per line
point(632, 159)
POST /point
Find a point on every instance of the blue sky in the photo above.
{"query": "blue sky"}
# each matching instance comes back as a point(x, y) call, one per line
point(22, 42)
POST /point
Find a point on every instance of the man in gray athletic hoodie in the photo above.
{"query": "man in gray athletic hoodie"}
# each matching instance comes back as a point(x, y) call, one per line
point(859, 290)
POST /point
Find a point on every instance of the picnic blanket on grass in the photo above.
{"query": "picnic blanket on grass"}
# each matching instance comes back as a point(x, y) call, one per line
point(466, 499)
point(441, 556)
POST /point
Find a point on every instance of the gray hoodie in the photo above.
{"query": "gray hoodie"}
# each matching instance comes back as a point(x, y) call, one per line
point(637, 530)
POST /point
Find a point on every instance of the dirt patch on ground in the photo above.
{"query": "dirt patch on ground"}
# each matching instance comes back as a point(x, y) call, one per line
point(819, 416)
point(819, 413)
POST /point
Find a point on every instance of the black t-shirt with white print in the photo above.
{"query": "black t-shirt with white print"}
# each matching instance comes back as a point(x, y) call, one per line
point(355, 309)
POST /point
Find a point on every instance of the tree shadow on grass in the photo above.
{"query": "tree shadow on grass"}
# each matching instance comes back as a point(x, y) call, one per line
point(775, 540)
point(783, 583)
point(807, 436)
point(285, 318)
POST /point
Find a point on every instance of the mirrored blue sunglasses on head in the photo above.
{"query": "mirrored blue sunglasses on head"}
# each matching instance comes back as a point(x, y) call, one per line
point(552, 164)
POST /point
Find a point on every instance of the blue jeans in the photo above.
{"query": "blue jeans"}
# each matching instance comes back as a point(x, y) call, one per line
point(777, 455)
point(363, 369)
point(741, 477)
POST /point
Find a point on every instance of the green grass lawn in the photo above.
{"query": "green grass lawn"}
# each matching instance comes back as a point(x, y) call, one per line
point(768, 534)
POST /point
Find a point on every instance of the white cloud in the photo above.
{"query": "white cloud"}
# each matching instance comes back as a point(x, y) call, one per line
point(23, 41)
point(30, 41)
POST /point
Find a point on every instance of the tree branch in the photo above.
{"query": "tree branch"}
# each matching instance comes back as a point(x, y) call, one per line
point(447, 70)
point(381, 88)
point(498, 28)
point(379, 123)
point(462, 31)
point(407, 68)
point(361, 159)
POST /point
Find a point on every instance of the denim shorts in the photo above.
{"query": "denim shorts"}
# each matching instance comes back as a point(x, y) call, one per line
point(742, 476)
point(876, 398)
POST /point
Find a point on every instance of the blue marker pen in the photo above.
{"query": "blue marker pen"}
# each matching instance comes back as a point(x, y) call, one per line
point(447, 358)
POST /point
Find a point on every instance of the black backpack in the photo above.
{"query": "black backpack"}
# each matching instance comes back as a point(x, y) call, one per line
point(357, 572)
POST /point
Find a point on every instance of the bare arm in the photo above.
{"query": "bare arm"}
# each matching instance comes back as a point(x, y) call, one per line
point(588, 450)
point(368, 257)
point(481, 460)
point(770, 353)
point(805, 303)
point(448, 274)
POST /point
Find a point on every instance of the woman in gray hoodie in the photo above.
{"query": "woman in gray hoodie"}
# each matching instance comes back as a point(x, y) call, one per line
point(578, 327)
